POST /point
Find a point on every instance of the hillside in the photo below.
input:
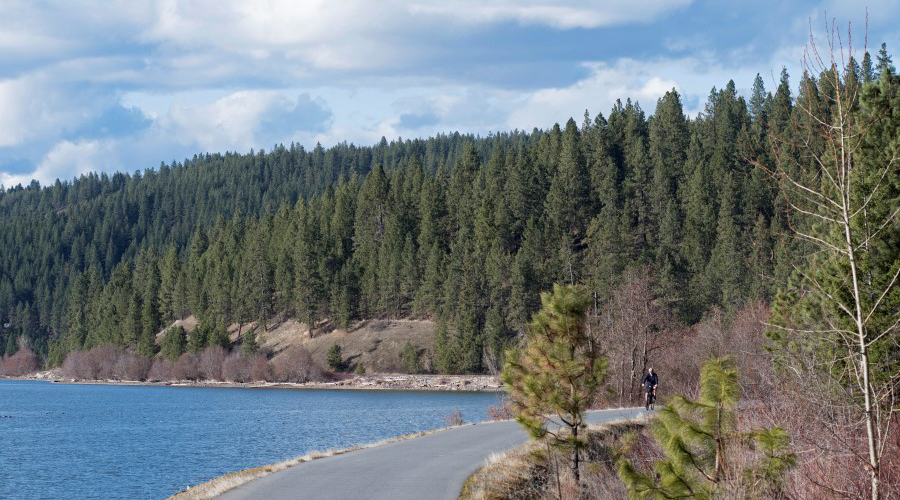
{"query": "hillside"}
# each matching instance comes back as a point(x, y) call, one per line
point(376, 344)
point(463, 230)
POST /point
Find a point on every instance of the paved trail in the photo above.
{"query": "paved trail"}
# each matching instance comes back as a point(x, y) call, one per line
point(428, 467)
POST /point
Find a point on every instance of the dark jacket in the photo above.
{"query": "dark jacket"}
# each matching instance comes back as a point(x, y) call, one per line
point(651, 380)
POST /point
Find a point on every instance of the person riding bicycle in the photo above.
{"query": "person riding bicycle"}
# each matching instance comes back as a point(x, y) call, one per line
point(651, 380)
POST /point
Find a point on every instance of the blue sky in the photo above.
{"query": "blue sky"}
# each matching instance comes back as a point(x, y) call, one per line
point(123, 85)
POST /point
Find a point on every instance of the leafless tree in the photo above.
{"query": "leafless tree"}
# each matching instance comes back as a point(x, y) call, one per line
point(832, 180)
point(638, 325)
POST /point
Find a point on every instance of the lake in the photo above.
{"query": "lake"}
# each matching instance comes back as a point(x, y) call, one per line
point(105, 442)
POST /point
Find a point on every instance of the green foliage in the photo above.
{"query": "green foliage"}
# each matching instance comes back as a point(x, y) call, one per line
point(174, 343)
point(704, 447)
point(249, 344)
point(558, 371)
point(199, 338)
point(459, 228)
point(334, 358)
point(219, 337)
point(410, 358)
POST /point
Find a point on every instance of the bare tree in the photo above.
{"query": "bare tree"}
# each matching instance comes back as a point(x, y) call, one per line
point(638, 325)
point(836, 179)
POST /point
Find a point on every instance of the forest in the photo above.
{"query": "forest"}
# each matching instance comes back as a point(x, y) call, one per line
point(461, 229)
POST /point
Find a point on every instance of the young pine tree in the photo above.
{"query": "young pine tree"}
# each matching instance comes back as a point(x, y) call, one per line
point(559, 370)
point(335, 359)
point(702, 443)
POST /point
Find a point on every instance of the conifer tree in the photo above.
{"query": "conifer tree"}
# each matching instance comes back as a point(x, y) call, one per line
point(334, 358)
point(558, 371)
point(174, 343)
point(703, 445)
point(249, 344)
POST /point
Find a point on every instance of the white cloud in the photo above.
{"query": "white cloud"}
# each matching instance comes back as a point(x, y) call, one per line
point(33, 107)
point(67, 160)
point(597, 92)
point(242, 120)
point(561, 14)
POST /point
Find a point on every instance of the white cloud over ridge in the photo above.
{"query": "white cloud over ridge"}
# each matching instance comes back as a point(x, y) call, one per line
point(85, 84)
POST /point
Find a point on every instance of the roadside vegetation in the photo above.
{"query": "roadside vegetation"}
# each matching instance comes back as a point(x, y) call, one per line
point(818, 372)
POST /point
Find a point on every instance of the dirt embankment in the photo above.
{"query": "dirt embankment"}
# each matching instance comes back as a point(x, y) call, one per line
point(377, 345)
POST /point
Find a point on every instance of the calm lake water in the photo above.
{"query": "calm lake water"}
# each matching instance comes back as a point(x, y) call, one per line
point(94, 441)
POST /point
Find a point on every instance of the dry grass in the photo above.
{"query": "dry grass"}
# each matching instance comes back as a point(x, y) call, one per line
point(533, 471)
point(216, 486)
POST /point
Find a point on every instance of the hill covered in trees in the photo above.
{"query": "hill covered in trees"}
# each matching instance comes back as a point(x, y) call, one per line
point(466, 230)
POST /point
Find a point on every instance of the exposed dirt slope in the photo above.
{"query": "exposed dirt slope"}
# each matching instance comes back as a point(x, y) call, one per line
point(377, 344)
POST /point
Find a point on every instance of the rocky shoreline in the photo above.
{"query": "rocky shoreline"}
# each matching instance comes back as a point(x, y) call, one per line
point(407, 382)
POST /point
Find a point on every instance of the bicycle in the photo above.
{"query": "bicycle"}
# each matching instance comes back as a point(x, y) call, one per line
point(650, 400)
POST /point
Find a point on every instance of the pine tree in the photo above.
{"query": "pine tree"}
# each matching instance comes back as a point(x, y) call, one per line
point(169, 269)
point(174, 343)
point(409, 357)
point(218, 337)
point(249, 344)
point(702, 444)
point(558, 371)
point(335, 359)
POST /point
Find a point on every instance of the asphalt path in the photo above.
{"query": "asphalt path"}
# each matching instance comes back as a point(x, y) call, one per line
point(434, 466)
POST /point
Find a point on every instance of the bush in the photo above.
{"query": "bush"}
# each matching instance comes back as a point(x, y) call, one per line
point(297, 365)
point(132, 366)
point(501, 411)
point(23, 362)
point(81, 365)
point(454, 418)
point(260, 370)
point(106, 362)
point(187, 367)
point(410, 358)
point(236, 368)
point(161, 370)
point(211, 360)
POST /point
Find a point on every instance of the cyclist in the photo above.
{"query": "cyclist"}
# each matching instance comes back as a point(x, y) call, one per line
point(651, 380)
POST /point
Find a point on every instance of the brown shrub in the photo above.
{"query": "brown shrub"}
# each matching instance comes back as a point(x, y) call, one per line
point(260, 370)
point(297, 365)
point(500, 411)
point(23, 362)
point(236, 368)
point(187, 367)
point(211, 360)
point(132, 366)
point(105, 359)
point(160, 371)
point(454, 418)
point(80, 365)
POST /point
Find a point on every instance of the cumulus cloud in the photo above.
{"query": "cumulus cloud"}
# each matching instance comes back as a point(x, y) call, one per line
point(599, 91)
point(67, 160)
point(86, 85)
point(242, 120)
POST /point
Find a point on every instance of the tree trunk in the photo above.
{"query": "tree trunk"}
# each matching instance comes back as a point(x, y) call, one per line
point(576, 458)
point(874, 461)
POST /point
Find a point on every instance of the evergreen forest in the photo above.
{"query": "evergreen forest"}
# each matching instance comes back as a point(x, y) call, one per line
point(461, 229)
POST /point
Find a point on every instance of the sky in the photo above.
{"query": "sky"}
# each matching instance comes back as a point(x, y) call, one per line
point(122, 85)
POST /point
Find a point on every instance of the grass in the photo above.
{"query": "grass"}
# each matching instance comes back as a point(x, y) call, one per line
point(532, 471)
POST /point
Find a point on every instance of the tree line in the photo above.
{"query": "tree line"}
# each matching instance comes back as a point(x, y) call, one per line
point(462, 229)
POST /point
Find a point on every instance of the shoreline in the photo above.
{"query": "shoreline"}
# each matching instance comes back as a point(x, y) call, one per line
point(376, 382)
